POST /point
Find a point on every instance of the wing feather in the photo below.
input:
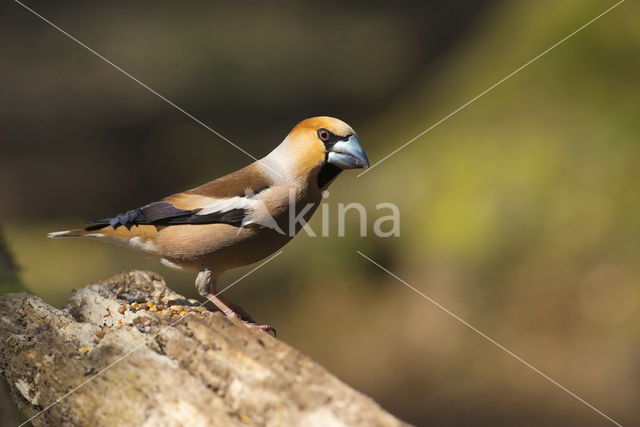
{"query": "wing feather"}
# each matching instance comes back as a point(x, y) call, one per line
point(229, 200)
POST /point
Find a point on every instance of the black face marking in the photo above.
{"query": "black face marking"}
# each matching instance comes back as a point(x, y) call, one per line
point(164, 213)
point(327, 173)
point(329, 139)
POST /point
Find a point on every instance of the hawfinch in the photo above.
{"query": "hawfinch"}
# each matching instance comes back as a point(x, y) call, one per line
point(242, 217)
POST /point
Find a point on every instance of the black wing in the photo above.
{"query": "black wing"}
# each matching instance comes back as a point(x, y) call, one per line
point(164, 213)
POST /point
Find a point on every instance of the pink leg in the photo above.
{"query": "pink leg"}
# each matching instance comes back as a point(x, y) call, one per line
point(228, 311)
point(203, 282)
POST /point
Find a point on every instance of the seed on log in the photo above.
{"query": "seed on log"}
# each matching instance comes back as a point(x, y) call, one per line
point(45, 333)
point(100, 334)
point(121, 309)
point(245, 419)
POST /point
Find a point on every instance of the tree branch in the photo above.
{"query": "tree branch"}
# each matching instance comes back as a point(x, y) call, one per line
point(199, 371)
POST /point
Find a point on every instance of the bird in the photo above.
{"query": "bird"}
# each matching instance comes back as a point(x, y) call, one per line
point(242, 217)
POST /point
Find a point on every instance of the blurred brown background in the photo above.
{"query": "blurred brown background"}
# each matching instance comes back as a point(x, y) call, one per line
point(520, 213)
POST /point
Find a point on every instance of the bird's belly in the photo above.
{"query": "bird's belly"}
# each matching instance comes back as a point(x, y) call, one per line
point(217, 246)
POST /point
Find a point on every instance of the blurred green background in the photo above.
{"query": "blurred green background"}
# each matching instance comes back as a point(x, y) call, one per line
point(520, 213)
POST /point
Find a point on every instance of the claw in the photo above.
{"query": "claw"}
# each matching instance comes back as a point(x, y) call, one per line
point(268, 329)
point(233, 311)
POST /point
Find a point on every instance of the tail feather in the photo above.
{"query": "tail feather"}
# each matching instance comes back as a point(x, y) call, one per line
point(137, 236)
point(78, 232)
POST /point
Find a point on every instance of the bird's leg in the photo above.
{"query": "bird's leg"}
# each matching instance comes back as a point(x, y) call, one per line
point(206, 287)
point(205, 284)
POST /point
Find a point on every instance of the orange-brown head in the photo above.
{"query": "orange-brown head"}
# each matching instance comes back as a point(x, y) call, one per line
point(319, 148)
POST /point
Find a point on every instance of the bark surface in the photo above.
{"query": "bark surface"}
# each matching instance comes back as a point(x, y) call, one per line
point(161, 363)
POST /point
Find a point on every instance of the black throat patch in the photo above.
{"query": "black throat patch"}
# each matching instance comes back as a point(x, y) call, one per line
point(327, 173)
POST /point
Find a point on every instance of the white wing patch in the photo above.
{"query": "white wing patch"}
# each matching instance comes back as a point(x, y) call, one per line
point(225, 205)
point(256, 209)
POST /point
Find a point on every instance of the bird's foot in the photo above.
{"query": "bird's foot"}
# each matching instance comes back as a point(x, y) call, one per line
point(268, 329)
point(250, 323)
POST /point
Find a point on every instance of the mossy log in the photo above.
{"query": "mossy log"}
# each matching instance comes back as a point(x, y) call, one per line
point(113, 364)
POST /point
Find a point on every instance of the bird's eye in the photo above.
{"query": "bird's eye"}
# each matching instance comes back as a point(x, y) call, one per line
point(324, 135)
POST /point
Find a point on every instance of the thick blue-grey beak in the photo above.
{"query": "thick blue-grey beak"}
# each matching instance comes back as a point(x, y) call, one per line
point(348, 154)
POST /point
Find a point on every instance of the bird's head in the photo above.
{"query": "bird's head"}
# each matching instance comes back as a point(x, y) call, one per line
point(321, 147)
